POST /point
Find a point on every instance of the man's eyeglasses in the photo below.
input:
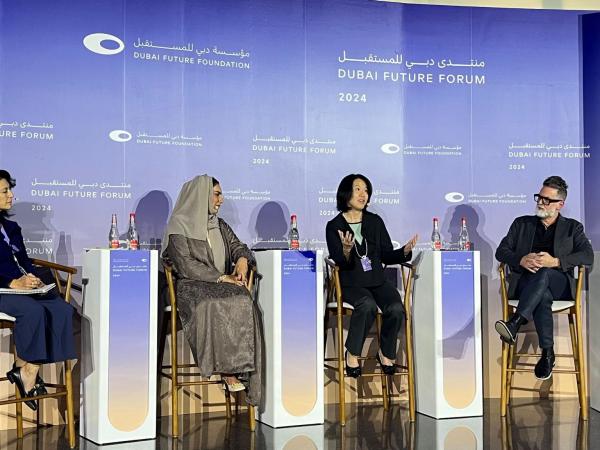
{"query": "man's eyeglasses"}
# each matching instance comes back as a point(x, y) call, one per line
point(545, 200)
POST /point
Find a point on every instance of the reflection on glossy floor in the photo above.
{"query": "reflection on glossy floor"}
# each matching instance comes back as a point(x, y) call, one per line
point(532, 425)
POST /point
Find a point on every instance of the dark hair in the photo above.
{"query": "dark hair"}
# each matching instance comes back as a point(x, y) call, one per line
point(215, 181)
point(556, 182)
point(344, 192)
point(4, 175)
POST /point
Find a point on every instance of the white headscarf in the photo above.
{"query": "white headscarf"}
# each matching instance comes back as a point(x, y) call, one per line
point(195, 217)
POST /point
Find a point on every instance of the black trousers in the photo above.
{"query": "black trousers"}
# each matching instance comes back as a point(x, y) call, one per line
point(365, 302)
point(536, 292)
point(43, 330)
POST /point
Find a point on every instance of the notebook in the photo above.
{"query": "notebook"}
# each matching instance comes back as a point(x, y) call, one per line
point(40, 290)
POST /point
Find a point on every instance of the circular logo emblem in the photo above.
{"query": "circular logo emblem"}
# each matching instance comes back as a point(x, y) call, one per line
point(390, 149)
point(93, 42)
point(120, 135)
point(454, 197)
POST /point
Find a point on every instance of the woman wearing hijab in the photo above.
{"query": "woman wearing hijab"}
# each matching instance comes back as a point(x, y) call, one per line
point(218, 315)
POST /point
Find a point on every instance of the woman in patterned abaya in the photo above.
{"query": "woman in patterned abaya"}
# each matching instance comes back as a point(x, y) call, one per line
point(220, 319)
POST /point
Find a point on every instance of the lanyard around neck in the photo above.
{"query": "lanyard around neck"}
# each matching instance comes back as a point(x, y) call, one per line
point(366, 249)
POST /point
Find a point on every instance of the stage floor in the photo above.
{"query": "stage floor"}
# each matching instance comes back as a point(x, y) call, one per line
point(532, 424)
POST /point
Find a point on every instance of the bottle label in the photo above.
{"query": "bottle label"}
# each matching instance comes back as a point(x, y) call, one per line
point(437, 245)
point(114, 243)
point(467, 246)
point(133, 244)
point(294, 244)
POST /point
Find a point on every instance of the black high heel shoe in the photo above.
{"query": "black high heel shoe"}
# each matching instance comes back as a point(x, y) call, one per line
point(14, 376)
point(388, 370)
point(353, 372)
point(39, 387)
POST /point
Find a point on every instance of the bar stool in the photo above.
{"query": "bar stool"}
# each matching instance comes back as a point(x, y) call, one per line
point(60, 390)
point(174, 370)
point(510, 358)
point(337, 307)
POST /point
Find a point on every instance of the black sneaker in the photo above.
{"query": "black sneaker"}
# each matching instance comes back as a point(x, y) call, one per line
point(508, 330)
point(543, 368)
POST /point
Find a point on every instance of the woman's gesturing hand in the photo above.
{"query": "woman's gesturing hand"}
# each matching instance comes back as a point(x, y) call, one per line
point(411, 244)
point(347, 239)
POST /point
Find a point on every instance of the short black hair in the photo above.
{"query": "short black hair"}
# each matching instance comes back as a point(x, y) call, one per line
point(4, 175)
point(556, 182)
point(344, 191)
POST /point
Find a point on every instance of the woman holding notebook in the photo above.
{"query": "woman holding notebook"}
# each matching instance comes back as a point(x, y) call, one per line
point(43, 330)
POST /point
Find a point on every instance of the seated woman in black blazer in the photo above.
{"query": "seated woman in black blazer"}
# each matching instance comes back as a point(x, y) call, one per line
point(359, 244)
point(43, 330)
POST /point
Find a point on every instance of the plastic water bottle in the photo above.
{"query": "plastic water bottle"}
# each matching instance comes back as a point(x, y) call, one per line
point(133, 242)
point(436, 237)
point(113, 234)
point(294, 236)
point(463, 238)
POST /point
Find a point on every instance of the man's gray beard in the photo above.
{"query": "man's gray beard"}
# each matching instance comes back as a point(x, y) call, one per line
point(544, 214)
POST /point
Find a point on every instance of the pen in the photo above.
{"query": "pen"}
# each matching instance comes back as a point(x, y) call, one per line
point(23, 271)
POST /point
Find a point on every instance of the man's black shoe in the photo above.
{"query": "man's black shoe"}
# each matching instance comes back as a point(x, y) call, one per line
point(508, 330)
point(543, 368)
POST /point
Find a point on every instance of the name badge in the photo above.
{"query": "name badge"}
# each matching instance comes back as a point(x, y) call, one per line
point(366, 263)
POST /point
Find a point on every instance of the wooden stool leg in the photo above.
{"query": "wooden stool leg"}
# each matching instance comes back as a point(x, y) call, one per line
point(19, 405)
point(70, 412)
point(341, 363)
point(384, 378)
point(411, 372)
point(583, 401)
point(19, 414)
point(510, 375)
point(251, 417)
point(174, 387)
point(572, 332)
point(503, 381)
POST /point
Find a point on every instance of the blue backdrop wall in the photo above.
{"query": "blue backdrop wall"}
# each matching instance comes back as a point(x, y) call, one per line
point(110, 106)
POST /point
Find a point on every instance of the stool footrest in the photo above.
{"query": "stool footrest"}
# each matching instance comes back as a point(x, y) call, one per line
point(12, 400)
point(554, 371)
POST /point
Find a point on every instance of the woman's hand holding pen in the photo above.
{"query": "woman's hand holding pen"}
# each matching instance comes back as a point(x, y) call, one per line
point(28, 281)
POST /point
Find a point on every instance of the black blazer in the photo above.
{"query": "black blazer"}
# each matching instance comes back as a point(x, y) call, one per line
point(8, 267)
point(380, 251)
point(571, 247)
